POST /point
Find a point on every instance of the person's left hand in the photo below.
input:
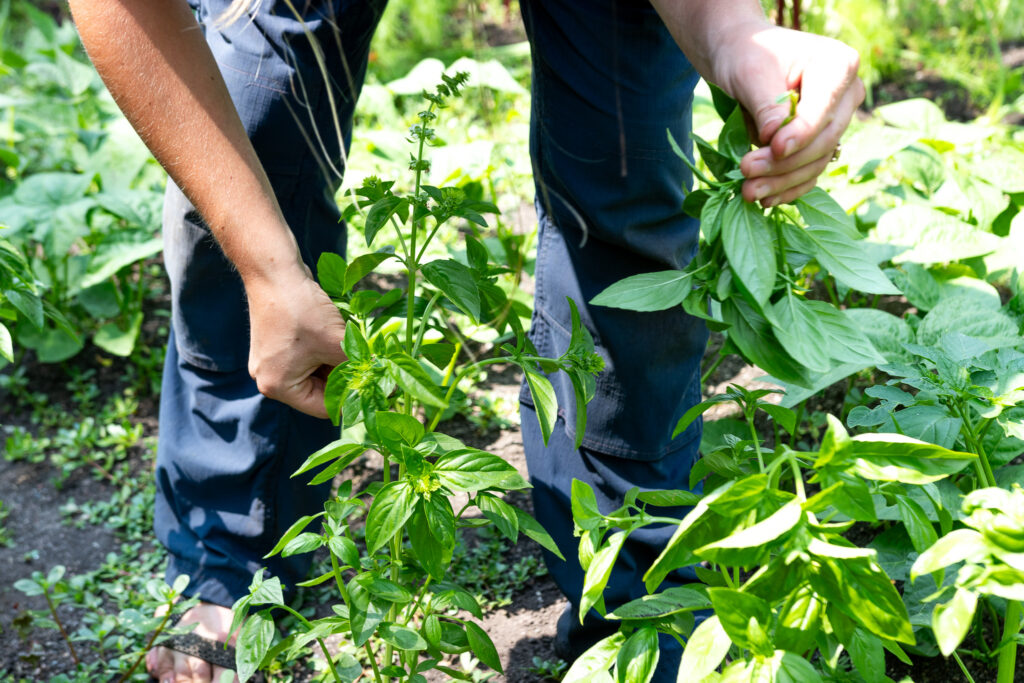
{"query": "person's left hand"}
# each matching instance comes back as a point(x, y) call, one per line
point(759, 62)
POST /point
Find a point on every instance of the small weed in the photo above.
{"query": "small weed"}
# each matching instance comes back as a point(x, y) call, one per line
point(549, 669)
point(6, 540)
point(485, 571)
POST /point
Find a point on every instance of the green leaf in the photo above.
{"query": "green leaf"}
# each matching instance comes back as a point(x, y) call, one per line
point(926, 235)
point(711, 216)
point(705, 649)
point(412, 378)
point(847, 342)
point(293, 531)
point(6, 343)
point(51, 344)
point(819, 210)
point(545, 402)
point(884, 331)
point(847, 261)
point(952, 620)
point(733, 140)
point(669, 601)
point(668, 498)
point(748, 241)
point(585, 512)
point(501, 514)
point(798, 328)
point(469, 469)
point(799, 620)
point(365, 614)
point(396, 429)
point(922, 166)
point(330, 271)
point(595, 660)
point(363, 266)
point(457, 283)
point(432, 555)
point(303, 543)
point(337, 451)
point(533, 530)
point(345, 549)
point(696, 411)
point(717, 163)
point(731, 550)
point(919, 528)
point(28, 304)
point(391, 508)
point(112, 257)
point(481, 645)
point(647, 291)
point(956, 546)
point(600, 571)
point(638, 657)
point(784, 417)
point(117, 340)
point(962, 315)
point(402, 637)
point(867, 655)
point(922, 116)
point(753, 336)
point(380, 213)
point(861, 590)
point(794, 669)
point(739, 612)
point(253, 643)
point(894, 457)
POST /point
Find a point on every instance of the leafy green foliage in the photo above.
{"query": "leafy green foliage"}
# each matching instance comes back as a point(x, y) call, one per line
point(398, 591)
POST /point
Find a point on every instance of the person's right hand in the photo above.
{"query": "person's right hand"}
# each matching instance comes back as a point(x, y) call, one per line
point(295, 339)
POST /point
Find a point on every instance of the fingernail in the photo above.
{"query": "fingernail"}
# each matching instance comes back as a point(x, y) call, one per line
point(790, 147)
point(758, 168)
point(770, 202)
point(760, 192)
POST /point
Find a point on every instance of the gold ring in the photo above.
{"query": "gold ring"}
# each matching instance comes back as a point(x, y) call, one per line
point(836, 152)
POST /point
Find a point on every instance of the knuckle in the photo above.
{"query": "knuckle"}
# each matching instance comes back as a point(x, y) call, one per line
point(852, 59)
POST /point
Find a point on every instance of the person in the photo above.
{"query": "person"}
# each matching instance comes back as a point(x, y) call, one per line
point(229, 109)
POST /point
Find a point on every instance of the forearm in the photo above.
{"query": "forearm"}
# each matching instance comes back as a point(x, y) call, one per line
point(703, 28)
point(153, 58)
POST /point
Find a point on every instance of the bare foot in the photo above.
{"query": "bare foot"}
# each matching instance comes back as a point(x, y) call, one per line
point(168, 666)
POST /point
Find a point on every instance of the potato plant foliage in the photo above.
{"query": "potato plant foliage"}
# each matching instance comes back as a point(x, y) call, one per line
point(784, 593)
point(396, 601)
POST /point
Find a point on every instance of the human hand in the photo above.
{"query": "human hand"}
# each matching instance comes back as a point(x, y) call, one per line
point(755, 63)
point(295, 339)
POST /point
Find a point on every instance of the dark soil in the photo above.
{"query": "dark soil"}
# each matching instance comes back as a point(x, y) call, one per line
point(954, 100)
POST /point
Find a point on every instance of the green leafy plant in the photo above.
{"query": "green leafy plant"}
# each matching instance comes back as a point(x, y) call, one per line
point(80, 206)
point(754, 270)
point(783, 583)
point(989, 548)
point(398, 602)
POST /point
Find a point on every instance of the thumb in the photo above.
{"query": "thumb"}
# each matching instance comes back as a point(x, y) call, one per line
point(770, 103)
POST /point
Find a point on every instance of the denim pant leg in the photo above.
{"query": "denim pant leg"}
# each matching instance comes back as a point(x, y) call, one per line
point(226, 453)
point(608, 82)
